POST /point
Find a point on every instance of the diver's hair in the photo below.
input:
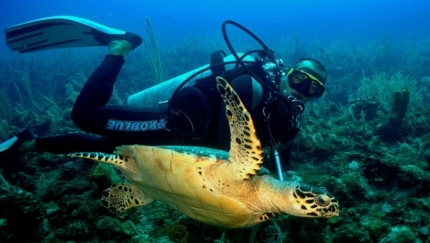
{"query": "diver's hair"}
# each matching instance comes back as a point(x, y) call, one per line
point(316, 67)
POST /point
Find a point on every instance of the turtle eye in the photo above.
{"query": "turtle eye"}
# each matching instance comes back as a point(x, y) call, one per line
point(323, 200)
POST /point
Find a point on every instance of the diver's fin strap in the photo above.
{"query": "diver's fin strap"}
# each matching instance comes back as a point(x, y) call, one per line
point(217, 57)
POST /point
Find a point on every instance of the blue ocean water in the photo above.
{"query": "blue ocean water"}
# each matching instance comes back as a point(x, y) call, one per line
point(359, 20)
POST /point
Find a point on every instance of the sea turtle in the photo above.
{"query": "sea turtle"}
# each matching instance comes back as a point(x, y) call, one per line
point(208, 185)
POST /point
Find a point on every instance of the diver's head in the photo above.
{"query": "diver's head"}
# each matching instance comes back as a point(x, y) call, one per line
point(305, 79)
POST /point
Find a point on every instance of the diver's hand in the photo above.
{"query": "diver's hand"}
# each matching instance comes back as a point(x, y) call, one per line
point(292, 176)
point(263, 171)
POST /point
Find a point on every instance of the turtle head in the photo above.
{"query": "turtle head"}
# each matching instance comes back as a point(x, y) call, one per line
point(310, 201)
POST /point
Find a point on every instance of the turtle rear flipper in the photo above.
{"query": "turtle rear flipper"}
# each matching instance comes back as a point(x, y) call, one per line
point(124, 196)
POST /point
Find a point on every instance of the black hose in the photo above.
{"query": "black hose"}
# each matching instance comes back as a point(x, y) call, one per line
point(266, 52)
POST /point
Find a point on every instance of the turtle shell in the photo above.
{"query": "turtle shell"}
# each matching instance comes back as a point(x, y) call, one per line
point(190, 183)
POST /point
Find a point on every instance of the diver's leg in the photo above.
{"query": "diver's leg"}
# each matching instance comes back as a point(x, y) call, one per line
point(101, 81)
point(77, 142)
point(143, 125)
point(99, 86)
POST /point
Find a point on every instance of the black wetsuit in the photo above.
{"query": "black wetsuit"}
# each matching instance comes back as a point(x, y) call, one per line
point(123, 124)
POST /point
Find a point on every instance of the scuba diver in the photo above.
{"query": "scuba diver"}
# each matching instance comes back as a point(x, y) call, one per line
point(194, 115)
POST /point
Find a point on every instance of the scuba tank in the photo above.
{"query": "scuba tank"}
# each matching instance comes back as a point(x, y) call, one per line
point(162, 92)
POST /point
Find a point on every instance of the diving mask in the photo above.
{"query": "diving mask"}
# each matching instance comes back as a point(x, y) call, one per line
point(302, 81)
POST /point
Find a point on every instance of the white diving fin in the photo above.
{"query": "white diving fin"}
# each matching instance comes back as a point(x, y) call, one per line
point(63, 31)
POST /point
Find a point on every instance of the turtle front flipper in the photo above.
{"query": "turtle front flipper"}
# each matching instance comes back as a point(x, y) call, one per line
point(124, 196)
point(246, 155)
